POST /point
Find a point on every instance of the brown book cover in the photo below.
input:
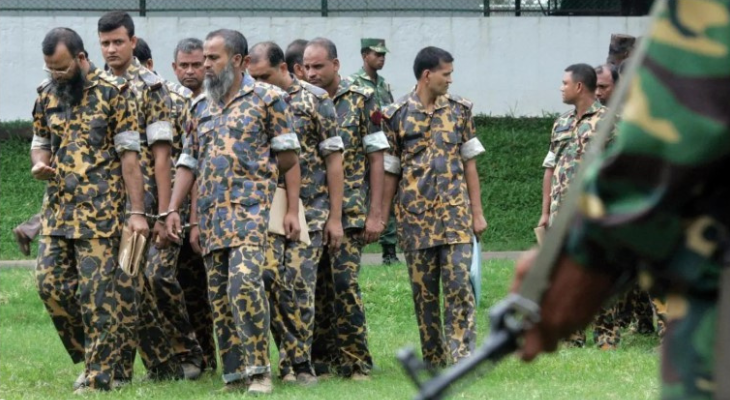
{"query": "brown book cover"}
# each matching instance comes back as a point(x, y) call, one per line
point(131, 251)
point(276, 216)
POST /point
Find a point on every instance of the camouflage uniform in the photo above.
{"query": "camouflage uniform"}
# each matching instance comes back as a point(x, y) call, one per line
point(435, 224)
point(384, 96)
point(231, 151)
point(636, 306)
point(291, 273)
point(659, 196)
point(568, 142)
point(82, 215)
point(142, 323)
point(340, 335)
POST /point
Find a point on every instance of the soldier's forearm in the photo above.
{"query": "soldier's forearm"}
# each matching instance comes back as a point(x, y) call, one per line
point(193, 204)
point(132, 175)
point(335, 184)
point(472, 185)
point(546, 179)
point(286, 160)
point(389, 189)
point(293, 179)
point(40, 155)
point(184, 180)
point(377, 176)
point(163, 174)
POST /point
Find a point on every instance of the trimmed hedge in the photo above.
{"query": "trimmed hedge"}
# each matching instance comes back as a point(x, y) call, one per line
point(510, 174)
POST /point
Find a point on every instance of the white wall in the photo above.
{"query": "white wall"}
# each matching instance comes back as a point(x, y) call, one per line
point(504, 65)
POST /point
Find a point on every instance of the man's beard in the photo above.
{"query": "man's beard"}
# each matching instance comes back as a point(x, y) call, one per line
point(217, 86)
point(70, 91)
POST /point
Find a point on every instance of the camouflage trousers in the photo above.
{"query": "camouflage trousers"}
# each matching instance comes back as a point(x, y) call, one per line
point(141, 327)
point(388, 237)
point(340, 342)
point(688, 348)
point(635, 306)
point(161, 273)
point(290, 278)
point(447, 267)
point(606, 330)
point(86, 323)
point(194, 281)
point(240, 310)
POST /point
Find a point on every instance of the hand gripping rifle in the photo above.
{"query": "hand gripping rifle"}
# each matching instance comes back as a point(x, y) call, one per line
point(511, 317)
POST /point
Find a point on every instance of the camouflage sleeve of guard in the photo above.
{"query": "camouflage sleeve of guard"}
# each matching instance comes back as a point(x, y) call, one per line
point(189, 156)
point(279, 124)
point(391, 160)
point(124, 121)
point(330, 140)
point(471, 146)
point(673, 139)
point(41, 133)
point(549, 161)
point(158, 115)
point(374, 140)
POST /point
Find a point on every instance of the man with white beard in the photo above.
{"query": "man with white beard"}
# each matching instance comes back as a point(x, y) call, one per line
point(239, 141)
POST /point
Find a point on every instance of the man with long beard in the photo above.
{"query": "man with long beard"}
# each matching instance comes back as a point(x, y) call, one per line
point(86, 145)
point(238, 142)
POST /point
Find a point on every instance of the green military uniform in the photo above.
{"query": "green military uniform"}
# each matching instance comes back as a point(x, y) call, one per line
point(384, 95)
point(435, 224)
point(82, 215)
point(340, 335)
point(659, 196)
point(141, 322)
point(568, 142)
point(231, 150)
point(291, 274)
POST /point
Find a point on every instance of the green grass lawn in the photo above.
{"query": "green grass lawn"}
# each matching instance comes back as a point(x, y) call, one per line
point(34, 365)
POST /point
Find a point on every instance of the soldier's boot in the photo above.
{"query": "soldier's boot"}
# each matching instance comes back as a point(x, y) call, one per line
point(168, 371)
point(26, 232)
point(261, 384)
point(389, 254)
point(238, 386)
point(192, 367)
point(576, 339)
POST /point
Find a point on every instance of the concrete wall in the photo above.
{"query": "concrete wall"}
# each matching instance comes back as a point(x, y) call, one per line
point(506, 66)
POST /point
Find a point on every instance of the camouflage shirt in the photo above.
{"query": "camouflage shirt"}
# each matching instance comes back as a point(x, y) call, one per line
point(314, 120)
point(382, 89)
point(428, 151)
point(155, 105)
point(231, 149)
point(359, 120)
point(85, 199)
point(180, 99)
point(568, 142)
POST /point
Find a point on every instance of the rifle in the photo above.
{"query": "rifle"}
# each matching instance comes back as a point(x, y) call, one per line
point(518, 312)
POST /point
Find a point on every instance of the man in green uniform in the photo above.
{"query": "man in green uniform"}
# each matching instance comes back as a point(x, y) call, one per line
point(651, 201)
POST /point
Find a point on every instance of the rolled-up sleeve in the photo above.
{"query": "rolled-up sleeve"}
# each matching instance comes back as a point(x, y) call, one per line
point(160, 131)
point(330, 140)
point(472, 148)
point(285, 142)
point(125, 123)
point(41, 133)
point(375, 142)
point(549, 161)
point(331, 145)
point(126, 141)
point(282, 136)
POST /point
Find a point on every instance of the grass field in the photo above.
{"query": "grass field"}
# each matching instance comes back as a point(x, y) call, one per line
point(34, 365)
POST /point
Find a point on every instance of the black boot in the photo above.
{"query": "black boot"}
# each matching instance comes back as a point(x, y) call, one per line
point(389, 256)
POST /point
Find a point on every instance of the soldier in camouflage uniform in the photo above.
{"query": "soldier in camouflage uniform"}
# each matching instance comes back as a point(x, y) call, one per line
point(432, 167)
point(291, 274)
point(295, 58)
point(86, 145)
point(340, 336)
point(571, 134)
point(649, 201)
point(239, 140)
point(163, 264)
point(141, 322)
point(373, 56)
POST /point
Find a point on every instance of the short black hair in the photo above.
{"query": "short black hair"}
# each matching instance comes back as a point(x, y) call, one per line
point(429, 58)
point(611, 68)
point(187, 46)
point(325, 44)
point(233, 41)
point(68, 37)
point(114, 20)
point(584, 74)
point(295, 54)
point(365, 50)
point(142, 51)
point(270, 50)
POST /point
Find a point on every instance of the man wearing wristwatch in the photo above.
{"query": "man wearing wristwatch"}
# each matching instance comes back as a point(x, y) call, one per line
point(238, 142)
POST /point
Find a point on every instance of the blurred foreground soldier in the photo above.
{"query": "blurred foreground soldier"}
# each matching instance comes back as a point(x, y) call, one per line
point(239, 141)
point(295, 59)
point(432, 167)
point(373, 60)
point(292, 272)
point(340, 341)
point(651, 201)
point(86, 145)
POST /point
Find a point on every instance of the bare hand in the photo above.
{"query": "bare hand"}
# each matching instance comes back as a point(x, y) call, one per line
point(195, 240)
point(373, 228)
point(291, 226)
point(174, 228)
point(573, 298)
point(544, 218)
point(159, 235)
point(333, 233)
point(42, 171)
point(138, 224)
point(479, 225)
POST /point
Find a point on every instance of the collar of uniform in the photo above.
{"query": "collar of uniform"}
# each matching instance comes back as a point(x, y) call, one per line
point(594, 108)
point(133, 69)
point(295, 85)
point(92, 76)
point(414, 103)
point(343, 87)
point(246, 88)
